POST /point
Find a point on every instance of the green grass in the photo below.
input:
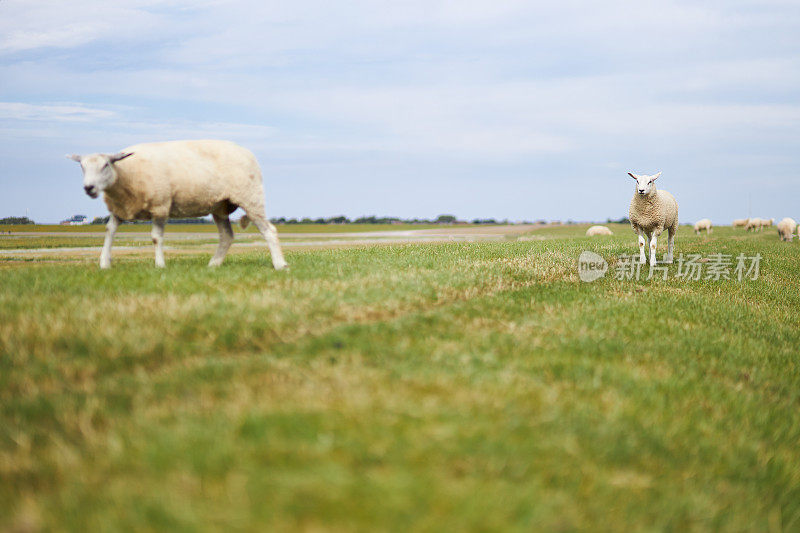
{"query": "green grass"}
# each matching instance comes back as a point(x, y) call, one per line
point(431, 387)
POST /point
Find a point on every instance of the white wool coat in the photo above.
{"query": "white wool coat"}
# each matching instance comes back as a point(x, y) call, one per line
point(654, 212)
point(598, 230)
point(185, 179)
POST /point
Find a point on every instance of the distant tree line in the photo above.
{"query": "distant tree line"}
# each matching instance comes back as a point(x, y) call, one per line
point(16, 220)
point(197, 220)
point(341, 219)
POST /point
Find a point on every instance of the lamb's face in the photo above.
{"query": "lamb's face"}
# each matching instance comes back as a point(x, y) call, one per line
point(98, 171)
point(644, 183)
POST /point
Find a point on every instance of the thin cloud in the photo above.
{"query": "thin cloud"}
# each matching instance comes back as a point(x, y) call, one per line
point(53, 112)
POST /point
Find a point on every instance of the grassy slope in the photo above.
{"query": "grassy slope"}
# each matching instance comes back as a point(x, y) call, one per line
point(442, 387)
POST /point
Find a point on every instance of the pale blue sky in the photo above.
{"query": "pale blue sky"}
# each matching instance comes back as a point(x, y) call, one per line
point(518, 110)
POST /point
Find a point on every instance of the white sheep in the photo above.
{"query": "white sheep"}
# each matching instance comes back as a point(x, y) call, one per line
point(155, 181)
point(753, 224)
point(651, 212)
point(740, 222)
point(786, 229)
point(702, 224)
point(598, 230)
point(765, 223)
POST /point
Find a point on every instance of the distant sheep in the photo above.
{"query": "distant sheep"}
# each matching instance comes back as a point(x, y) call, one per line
point(740, 222)
point(753, 224)
point(651, 212)
point(155, 181)
point(786, 229)
point(598, 230)
point(702, 224)
point(765, 223)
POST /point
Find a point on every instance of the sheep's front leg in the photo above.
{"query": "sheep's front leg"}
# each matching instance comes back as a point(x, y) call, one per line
point(642, 246)
point(653, 246)
point(158, 240)
point(111, 230)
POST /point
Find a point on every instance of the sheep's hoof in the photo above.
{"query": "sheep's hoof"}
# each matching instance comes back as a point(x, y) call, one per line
point(281, 266)
point(105, 266)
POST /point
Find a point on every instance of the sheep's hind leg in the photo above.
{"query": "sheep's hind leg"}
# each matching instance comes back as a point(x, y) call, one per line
point(271, 236)
point(158, 240)
point(670, 246)
point(111, 230)
point(225, 239)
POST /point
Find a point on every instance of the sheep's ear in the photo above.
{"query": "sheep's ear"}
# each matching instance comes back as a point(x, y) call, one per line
point(655, 176)
point(631, 174)
point(74, 157)
point(119, 156)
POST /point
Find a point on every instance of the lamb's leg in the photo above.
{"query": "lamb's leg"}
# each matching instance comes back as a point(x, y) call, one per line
point(670, 246)
point(653, 246)
point(642, 245)
point(158, 240)
point(225, 239)
point(271, 236)
point(111, 230)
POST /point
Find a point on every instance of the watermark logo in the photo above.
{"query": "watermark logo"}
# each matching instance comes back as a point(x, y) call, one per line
point(713, 267)
point(591, 266)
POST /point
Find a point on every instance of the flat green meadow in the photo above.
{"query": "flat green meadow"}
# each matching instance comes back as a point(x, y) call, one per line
point(431, 387)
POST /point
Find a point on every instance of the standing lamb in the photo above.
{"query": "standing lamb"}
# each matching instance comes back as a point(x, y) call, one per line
point(740, 222)
point(598, 230)
point(702, 224)
point(651, 212)
point(155, 181)
point(786, 229)
point(765, 223)
point(753, 224)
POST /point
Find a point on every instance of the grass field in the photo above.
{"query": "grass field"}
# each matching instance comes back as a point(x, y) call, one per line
point(437, 387)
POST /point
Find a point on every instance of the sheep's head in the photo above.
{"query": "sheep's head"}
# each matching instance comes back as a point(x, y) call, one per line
point(644, 183)
point(98, 171)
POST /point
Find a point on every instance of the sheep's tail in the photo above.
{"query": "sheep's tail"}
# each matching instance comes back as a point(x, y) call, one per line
point(244, 221)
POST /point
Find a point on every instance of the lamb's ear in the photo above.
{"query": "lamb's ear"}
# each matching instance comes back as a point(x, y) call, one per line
point(74, 157)
point(631, 174)
point(655, 176)
point(119, 156)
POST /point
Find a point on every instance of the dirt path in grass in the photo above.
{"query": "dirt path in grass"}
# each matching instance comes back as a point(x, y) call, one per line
point(289, 240)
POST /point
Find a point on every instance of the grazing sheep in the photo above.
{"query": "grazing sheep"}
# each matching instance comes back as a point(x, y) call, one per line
point(786, 229)
point(702, 224)
point(598, 230)
point(753, 224)
point(740, 222)
point(155, 181)
point(651, 212)
point(765, 223)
